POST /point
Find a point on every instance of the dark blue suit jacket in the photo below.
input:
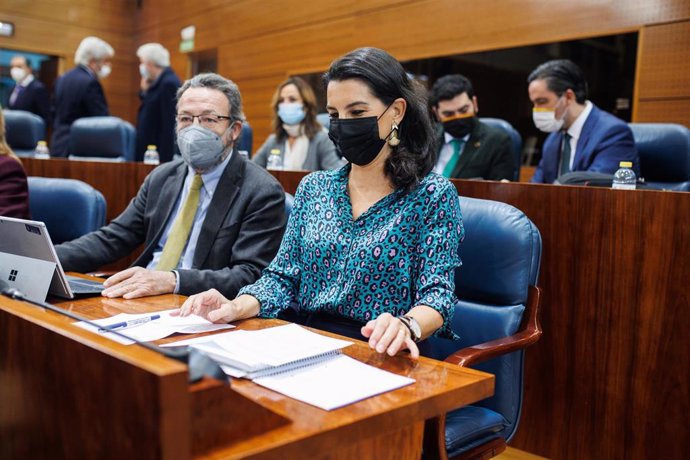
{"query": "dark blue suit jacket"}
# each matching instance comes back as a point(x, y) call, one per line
point(156, 119)
point(604, 142)
point(35, 99)
point(78, 94)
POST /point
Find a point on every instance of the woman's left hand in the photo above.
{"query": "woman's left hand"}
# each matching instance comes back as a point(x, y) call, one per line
point(387, 334)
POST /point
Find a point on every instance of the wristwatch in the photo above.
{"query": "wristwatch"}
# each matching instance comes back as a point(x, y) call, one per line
point(413, 326)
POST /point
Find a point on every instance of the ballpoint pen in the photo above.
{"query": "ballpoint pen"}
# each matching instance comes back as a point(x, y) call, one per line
point(130, 323)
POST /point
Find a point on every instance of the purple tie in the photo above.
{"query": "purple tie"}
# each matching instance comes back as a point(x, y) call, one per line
point(15, 94)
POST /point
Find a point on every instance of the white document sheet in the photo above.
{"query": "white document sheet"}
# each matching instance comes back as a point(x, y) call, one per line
point(156, 329)
point(333, 383)
point(270, 347)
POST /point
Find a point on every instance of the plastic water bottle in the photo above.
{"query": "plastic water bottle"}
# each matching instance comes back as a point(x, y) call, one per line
point(41, 152)
point(624, 179)
point(151, 156)
point(274, 160)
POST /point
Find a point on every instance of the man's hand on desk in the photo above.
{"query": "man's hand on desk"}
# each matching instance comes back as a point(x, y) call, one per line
point(139, 282)
point(213, 306)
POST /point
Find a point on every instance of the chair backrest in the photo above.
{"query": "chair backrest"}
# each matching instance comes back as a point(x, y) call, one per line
point(324, 120)
point(289, 202)
point(500, 256)
point(70, 208)
point(246, 140)
point(109, 138)
point(515, 141)
point(664, 150)
point(23, 130)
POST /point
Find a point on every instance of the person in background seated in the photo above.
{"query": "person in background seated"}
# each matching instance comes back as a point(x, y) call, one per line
point(468, 148)
point(28, 94)
point(78, 93)
point(583, 137)
point(208, 219)
point(156, 119)
point(300, 139)
point(371, 248)
point(14, 191)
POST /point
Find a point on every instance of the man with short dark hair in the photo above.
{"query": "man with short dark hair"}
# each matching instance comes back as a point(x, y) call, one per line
point(468, 148)
point(583, 137)
point(28, 94)
point(208, 220)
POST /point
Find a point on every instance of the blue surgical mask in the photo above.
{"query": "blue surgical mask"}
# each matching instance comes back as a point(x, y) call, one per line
point(291, 113)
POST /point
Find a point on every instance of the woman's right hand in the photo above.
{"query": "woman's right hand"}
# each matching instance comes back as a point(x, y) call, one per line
point(213, 306)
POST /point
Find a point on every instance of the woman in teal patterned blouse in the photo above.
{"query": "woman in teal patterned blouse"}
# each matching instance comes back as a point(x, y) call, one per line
point(374, 243)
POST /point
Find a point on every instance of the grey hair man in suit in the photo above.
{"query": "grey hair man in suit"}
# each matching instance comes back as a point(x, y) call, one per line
point(468, 148)
point(208, 220)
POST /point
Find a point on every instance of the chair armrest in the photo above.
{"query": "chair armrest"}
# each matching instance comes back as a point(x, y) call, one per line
point(529, 333)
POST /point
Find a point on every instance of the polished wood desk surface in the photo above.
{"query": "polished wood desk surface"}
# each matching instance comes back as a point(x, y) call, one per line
point(394, 419)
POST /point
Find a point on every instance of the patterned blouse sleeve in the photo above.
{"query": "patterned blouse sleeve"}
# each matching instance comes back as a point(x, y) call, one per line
point(437, 255)
point(279, 283)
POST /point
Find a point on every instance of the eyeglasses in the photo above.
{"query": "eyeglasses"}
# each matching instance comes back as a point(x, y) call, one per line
point(207, 120)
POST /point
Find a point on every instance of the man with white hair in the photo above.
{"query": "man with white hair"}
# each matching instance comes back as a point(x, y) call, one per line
point(78, 92)
point(156, 119)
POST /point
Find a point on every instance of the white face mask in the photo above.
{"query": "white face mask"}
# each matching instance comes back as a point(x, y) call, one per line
point(144, 72)
point(17, 74)
point(545, 119)
point(104, 71)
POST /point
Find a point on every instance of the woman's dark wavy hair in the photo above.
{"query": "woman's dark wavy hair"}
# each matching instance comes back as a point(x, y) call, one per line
point(415, 156)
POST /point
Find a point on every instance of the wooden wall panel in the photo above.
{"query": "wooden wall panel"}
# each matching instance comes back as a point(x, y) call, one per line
point(664, 111)
point(664, 68)
point(663, 74)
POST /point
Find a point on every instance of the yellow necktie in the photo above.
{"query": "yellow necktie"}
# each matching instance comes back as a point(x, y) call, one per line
point(177, 239)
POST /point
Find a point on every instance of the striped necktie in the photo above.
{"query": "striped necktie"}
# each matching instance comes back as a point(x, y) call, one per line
point(457, 144)
point(177, 239)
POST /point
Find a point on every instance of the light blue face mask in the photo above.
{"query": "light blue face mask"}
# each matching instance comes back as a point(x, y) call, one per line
point(201, 148)
point(291, 113)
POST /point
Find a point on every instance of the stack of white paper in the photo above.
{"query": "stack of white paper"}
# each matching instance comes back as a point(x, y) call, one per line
point(156, 329)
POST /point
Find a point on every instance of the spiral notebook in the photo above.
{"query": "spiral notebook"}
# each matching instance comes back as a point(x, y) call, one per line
point(300, 364)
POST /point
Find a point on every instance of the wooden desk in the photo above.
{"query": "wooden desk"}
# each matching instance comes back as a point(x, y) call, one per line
point(66, 392)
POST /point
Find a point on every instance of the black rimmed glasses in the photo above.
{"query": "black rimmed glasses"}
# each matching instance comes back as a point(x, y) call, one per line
point(209, 120)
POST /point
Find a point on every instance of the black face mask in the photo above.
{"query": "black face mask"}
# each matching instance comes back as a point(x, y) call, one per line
point(357, 139)
point(459, 127)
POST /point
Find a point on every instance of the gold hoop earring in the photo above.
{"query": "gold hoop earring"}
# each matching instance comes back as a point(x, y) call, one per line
point(393, 139)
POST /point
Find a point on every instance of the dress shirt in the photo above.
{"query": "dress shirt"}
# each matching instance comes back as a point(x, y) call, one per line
point(400, 253)
point(576, 129)
point(24, 83)
point(210, 180)
point(447, 152)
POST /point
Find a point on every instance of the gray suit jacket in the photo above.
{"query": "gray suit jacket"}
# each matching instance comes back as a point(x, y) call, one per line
point(320, 154)
point(239, 237)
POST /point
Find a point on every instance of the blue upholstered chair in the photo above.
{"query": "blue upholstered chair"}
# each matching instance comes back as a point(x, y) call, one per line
point(664, 150)
point(289, 202)
point(496, 317)
point(246, 140)
point(70, 208)
point(324, 120)
point(102, 138)
point(23, 130)
point(515, 141)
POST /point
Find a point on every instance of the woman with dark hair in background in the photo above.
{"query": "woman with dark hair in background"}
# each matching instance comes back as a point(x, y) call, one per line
point(14, 191)
point(297, 137)
point(370, 249)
